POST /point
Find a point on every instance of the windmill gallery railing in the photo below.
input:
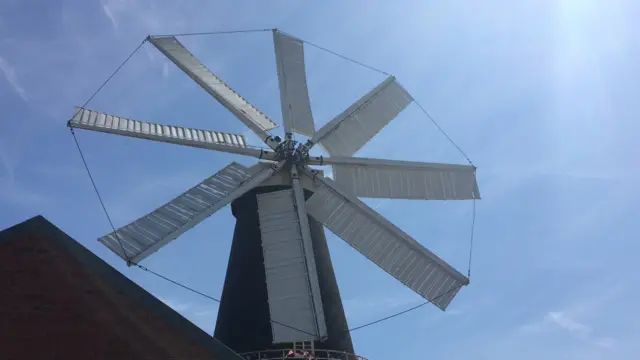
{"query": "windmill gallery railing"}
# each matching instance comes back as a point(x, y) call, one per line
point(289, 354)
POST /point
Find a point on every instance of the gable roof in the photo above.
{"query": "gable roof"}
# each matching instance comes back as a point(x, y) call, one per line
point(59, 300)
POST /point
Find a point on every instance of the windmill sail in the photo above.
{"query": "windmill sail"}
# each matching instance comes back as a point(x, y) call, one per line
point(292, 300)
point(294, 95)
point(384, 244)
point(146, 235)
point(204, 139)
point(377, 178)
point(253, 118)
point(299, 203)
point(354, 127)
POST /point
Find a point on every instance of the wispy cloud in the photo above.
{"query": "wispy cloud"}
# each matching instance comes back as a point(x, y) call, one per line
point(109, 14)
point(570, 324)
point(165, 70)
point(142, 14)
point(563, 321)
point(10, 74)
point(12, 191)
point(606, 342)
point(116, 9)
point(150, 52)
point(558, 320)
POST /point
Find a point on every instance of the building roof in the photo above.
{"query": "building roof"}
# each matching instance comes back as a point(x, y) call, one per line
point(59, 300)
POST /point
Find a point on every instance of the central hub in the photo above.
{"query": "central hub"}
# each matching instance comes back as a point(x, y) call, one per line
point(290, 152)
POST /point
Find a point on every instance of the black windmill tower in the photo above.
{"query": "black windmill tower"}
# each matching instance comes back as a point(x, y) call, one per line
point(280, 290)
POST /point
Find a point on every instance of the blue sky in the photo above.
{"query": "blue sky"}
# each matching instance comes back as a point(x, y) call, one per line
point(542, 95)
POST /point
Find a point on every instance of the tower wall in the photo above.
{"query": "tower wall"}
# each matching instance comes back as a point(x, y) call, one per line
point(243, 318)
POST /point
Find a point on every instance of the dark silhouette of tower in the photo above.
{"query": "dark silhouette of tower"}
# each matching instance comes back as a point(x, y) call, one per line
point(243, 318)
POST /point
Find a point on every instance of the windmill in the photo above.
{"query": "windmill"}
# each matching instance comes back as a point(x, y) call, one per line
point(282, 202)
